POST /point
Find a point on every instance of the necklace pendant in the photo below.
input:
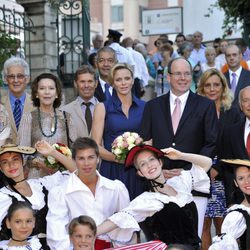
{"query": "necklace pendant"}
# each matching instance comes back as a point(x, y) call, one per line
point(52, 128)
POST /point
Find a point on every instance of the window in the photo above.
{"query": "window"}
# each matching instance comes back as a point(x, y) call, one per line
point(117, 13)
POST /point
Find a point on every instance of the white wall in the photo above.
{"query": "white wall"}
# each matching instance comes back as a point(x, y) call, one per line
point(194, 12)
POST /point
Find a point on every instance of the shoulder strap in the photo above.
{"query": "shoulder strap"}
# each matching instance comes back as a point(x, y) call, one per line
point(67, 128)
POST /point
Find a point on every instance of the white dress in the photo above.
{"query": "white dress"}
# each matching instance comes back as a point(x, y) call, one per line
point(149, 203)
point(233, 227)
point(34, 244)
point(37, 197)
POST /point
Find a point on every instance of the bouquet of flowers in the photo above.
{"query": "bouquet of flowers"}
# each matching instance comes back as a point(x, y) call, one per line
point(52, 163)
point(123, 143)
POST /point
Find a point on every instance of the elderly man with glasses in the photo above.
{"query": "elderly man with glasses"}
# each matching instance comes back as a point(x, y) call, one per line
point(16, 74)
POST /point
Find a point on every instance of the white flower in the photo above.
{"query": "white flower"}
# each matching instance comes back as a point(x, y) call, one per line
point(126, 134)
point(131, 146)
point(135, 135)
point(119, 139)
point(130, 140)
point(119, 144)
point(117, 151)
point(51, 160)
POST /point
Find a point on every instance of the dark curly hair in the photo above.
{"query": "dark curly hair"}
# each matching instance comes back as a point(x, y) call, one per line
point(34, 89)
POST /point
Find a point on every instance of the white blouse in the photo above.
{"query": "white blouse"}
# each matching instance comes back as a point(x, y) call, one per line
point(37, 197)
point(34, 244)
point(234, 226)
point(149, 203)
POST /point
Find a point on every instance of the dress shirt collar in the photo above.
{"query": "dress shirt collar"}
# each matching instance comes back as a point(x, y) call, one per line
point(103, 85)
point(80, 100)
point(117, 102)
point(237, 72)
point(74, 184)
point(13, 98)
point(183, 98)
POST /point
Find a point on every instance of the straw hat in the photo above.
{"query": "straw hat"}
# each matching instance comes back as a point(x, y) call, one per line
point(18, 149)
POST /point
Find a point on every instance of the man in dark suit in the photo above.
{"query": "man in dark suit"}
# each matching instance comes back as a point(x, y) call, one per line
point(242, 76)
point(106, 59)
point(197, 129)
point(235, 144)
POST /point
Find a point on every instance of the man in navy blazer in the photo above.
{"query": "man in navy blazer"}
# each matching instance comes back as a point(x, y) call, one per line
point(106, 59)
point(197, 128)
point(233, 58)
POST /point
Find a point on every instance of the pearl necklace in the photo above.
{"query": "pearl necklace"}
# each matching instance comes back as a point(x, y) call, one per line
point(53, 125)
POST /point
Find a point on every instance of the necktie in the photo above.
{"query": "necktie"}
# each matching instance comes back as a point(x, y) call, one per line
point(88, 115)
point(17, 113)
point(176, 116)
point(107, 93)
point(233, 83)
point(248, 145)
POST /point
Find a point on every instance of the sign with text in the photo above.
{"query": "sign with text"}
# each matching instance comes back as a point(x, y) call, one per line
point(162, 21)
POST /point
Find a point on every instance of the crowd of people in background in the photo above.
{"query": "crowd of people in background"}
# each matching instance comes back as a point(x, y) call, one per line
point(192, 170)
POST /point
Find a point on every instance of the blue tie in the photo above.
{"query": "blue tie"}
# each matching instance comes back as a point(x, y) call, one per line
point(17, 113)
point(107, 93)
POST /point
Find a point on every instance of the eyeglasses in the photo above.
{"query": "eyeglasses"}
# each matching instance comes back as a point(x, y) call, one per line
point(109, 61)
point(212, 86)
point(16, 77)
point(178, 75)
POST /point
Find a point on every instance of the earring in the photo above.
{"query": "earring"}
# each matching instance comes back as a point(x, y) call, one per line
point(37, 96)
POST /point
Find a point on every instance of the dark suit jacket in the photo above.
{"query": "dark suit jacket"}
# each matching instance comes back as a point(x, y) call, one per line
point(244, 80)
point(197, 130)
point(99, 94)
point(232, 147)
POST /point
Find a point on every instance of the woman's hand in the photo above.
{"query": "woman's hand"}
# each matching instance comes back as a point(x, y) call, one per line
point(172, 153)
point(44, 148)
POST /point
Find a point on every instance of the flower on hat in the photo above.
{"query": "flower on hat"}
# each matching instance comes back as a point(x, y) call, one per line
point(123, 143)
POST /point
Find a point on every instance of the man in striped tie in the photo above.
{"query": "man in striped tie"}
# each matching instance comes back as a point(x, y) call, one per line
point(17, 101)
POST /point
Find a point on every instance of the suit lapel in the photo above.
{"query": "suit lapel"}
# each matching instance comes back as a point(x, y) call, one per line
point(165, 104)
point(10, 113)
point(78, 110)
point(189, 107)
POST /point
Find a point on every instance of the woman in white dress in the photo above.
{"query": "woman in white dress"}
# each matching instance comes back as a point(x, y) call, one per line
point(168, 208)
point(33, 191)
point(236, 225)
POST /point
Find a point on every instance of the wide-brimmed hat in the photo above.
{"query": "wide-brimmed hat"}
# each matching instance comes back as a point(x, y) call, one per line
point(237, 162)
point(18, 149)
point(129, 161)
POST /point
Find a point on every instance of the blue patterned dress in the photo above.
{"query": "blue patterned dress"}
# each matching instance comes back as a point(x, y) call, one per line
point(116, 123)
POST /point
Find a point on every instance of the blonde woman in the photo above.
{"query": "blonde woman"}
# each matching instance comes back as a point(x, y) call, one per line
point(214, 86)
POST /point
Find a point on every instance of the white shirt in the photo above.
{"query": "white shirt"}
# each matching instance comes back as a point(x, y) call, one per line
point(73, 198)
point(221, 60)
point(237, 72)
point(140, 69)
point(103, 86)
point(183, 98)
point(234, 225)
point(122, 54)
point(34, 244)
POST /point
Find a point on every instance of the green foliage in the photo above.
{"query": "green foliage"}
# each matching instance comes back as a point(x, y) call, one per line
point(234, 11)
point(7, 49)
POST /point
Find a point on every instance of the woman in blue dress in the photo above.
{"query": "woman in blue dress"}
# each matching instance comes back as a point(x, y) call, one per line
point(121, 113)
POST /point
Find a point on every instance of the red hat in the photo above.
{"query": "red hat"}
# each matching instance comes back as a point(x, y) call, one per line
point(133, 151)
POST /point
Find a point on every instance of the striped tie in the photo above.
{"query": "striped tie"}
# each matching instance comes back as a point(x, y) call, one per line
point(17, 113)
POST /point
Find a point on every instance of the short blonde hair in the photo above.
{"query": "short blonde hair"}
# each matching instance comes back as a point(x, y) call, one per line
point(226, 96)
point(119, 66)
